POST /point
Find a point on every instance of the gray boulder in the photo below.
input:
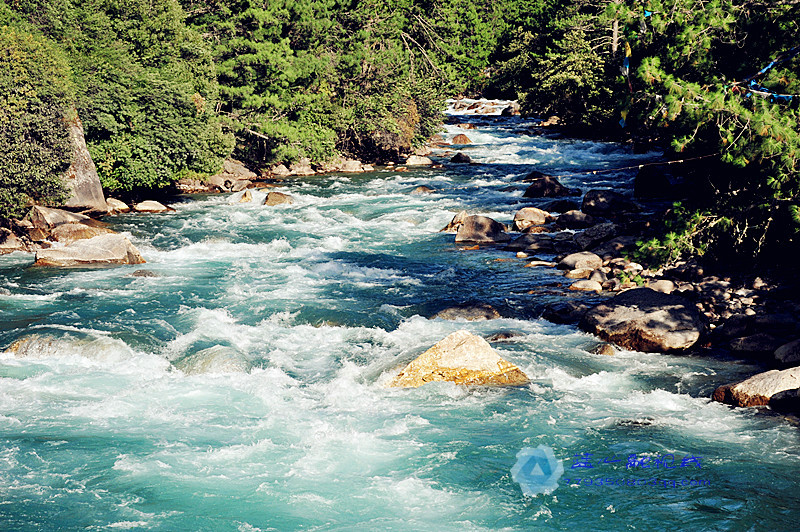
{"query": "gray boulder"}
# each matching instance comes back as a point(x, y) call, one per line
point(607, 203)
point(277, 198)
point(788, 353)
point(481, 229)
point(581, 260)
point(758, 389)
point(455, 223)
point(575, 219)
point(547, 186)
point(102, 249)
point(645, 320)
point(528, 216)
point(595, 235)
point(81, 176)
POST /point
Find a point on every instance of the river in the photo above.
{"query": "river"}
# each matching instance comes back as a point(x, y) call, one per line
point(312, 307)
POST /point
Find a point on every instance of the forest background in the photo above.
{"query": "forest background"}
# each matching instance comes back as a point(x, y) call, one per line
point(168, 89)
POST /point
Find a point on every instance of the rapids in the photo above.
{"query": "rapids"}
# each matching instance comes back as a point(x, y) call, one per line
point(241, 387)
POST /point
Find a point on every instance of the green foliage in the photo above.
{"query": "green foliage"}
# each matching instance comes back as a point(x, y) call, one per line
point(35, 97)
point(687, 233)
point(146, 87)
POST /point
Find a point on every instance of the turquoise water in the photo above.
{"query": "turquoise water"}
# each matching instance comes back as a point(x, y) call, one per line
point(242, 387)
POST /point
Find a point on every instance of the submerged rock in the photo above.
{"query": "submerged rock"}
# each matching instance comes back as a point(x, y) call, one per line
point(103, 249)
point(758, 389)
point(462, 358)
point(217, 359)
point(469, 312)
point(481, 229)
point(645, 320)
point(422, 189)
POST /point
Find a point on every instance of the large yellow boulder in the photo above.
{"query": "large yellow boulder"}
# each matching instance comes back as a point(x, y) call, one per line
point(462, 358)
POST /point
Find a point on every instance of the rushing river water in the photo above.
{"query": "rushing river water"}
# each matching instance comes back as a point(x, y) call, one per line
point(299, 314)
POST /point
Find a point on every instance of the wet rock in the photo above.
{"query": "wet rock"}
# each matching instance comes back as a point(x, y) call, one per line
point(565, 312)
point(605, 349)
point(787, 401)
point(277, 198)
point(788, 353)
point(115, 205)
point(581, 260)
point(144, 273)
point(461, 139)
point(513, 109)
point(455, 223)
point(481, 229)
point(758, 389)
point(755, 343)
point(462, 358)
point(461, 158)
point(528, 216)
point(735, 326)
point(246, 197)
point(103, 249)
point(216, 359)
point(596, 235)
point(645, 320)
point(575, 219)
point(416, 160)
point(531, 242)
point(422, 189)
point(586, 286)
point(599, 276)
point(240, 184)
point(607, 203)
point(561, 205)
point(614, 247)
point(151, 206)
point(469, 312)
point(502, 336)
point(582, 273)
point(547, 187)
point(538, 263)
